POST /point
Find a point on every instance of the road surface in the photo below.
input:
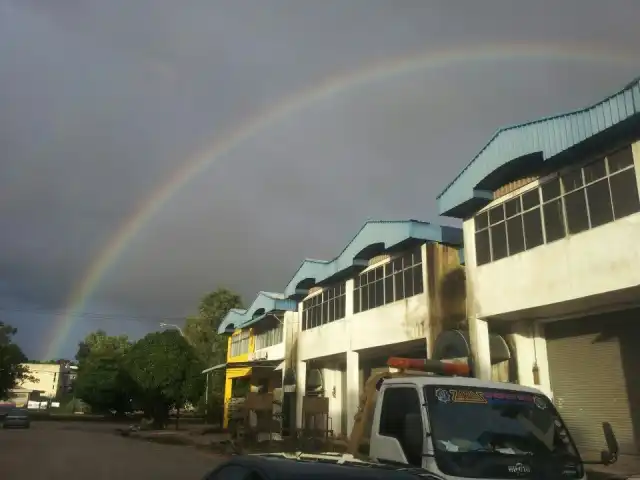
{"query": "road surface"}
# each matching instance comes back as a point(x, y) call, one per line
point(73, 450)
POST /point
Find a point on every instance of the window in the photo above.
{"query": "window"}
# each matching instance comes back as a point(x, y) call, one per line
point(240, 343)
point(396, 280)
point(578, 200)
point(325, 307)
point(270, 336)
point(397, 404)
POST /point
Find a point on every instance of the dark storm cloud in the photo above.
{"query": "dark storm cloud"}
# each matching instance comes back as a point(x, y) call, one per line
point(102, 102)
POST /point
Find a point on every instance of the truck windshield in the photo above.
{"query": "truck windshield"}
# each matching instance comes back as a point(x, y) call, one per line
point(498, 433)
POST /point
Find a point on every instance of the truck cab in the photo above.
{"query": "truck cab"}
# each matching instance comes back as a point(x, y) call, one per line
point(460, 427)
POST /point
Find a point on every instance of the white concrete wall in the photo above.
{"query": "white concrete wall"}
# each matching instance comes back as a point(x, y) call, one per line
point(274, 352)
point(531, 349)
point(333, 384)
point(47, 376)
point(390, 324)
point(600, 260)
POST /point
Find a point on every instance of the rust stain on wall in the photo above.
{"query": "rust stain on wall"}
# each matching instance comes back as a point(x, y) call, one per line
point(446, 290)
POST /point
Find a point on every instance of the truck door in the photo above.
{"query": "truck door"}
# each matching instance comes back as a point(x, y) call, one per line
point(398, 429)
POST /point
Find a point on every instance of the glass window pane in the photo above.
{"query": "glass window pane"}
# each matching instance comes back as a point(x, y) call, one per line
point(599, 201)
point(575, 205)
point(481, 221)
point(624, 191)
point(623, 158)
point(530, 199)
point(512, 207)
point(379, 272)
point(595, 171)
point(388, 289)
point(379, 289)
point(550, 189)
point(499, 241)
point(364, 299)
point(418, 284)
point(340, 307)
point(532, 229)
point(554, 220)
point(399, 286)
point(483, 249)
point(496, 214)
point(325, 313)
point(572, 180)
point(408, 283)
point(356, 300)
point(515, 235)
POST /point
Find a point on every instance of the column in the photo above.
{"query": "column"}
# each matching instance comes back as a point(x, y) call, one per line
point(228, 387)
point(480, 350)
point(301, 381)
point(353, 388)
point(531, 355)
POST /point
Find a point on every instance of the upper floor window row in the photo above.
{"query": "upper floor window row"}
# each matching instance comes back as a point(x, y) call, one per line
point(396, 280)
point(326, 307)
point(578, 200)
point(270, 336)
point(240, 343)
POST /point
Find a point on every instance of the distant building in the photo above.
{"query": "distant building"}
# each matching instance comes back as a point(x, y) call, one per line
point(50, 379)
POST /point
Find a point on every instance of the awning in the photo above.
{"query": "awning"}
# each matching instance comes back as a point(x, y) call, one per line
point(280, 366)
point(217, 367)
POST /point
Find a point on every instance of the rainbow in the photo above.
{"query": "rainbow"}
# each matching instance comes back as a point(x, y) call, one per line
point(290, 105)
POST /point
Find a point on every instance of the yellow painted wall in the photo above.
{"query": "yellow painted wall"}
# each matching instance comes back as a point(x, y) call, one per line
point(235, 372)
point(245, 356)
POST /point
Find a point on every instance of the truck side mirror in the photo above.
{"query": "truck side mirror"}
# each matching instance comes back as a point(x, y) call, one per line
point(413, 438)
point(609, 456)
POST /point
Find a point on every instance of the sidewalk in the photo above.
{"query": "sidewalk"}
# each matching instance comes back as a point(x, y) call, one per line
point(627, 466)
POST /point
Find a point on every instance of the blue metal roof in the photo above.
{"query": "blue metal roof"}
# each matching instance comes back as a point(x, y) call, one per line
point(532, 142)
point(374, 238)
point(264, 303)
point(233, 319)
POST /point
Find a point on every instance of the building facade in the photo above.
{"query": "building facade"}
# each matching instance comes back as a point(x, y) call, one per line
point(551, 221)
point(256, 346)
point(48, 379)
point(340, 320)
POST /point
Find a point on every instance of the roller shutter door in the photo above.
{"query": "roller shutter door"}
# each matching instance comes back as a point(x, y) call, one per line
point(593, 376)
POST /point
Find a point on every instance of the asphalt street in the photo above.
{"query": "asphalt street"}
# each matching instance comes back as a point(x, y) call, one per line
point(70, 451)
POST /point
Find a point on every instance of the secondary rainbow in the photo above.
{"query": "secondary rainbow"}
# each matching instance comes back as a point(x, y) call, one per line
point(327, 88)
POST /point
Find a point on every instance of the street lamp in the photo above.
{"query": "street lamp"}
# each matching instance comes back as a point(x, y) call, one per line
point(171, 325)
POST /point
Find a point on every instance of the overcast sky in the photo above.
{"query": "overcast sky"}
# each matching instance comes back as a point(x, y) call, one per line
point(102, 102)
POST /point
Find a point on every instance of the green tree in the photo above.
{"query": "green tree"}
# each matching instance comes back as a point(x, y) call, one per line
point(99, 341)
point(166, 372)
point(103, 384)
point(202, 332)
point(12, 370)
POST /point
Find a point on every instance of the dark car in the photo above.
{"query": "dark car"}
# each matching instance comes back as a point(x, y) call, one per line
point(17, 418)
point(275, 467)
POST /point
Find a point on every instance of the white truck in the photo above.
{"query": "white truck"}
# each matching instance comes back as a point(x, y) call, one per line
point(430, 416)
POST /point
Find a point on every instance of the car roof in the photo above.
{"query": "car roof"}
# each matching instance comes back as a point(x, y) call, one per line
point(285, 468)
point(461, 382)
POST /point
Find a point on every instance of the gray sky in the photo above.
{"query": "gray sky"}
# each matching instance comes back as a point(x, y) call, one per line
point(102, 102)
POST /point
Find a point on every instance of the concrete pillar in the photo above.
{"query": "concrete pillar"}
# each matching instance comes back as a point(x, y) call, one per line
point(301, 381)
point(531, 351)
point(479, 337)
point(228, 389)
point(353, 387)
point(348, 298)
